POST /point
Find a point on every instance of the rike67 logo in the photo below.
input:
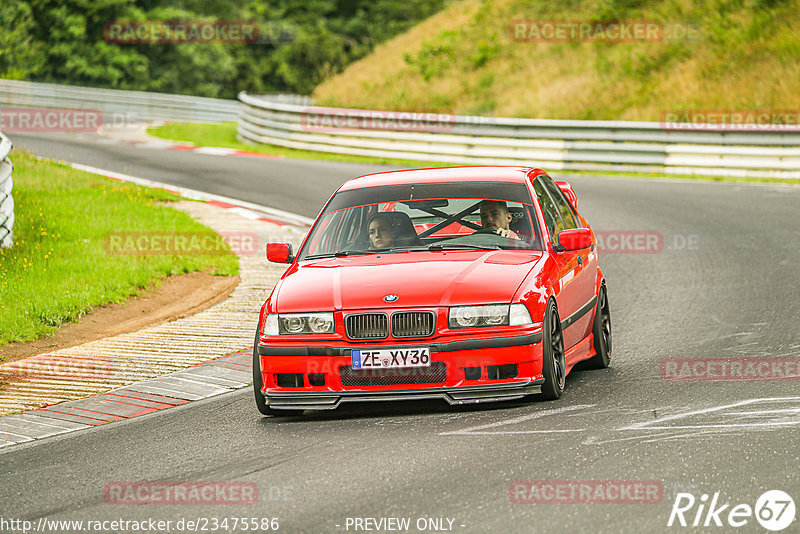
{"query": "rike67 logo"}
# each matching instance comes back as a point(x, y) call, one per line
point(774, 510)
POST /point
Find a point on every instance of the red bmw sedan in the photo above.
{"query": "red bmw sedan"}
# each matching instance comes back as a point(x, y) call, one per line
point(468, 284)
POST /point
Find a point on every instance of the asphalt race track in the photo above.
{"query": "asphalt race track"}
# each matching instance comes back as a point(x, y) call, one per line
point(722, 283)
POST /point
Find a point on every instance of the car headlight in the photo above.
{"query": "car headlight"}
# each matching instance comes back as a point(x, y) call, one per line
point(292, 324)
point(321, 323)
point(298, 323)
point(477, 316)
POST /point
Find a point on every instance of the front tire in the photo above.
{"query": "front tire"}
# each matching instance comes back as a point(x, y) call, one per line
point(554, 367)
point(261, 402)
point(601, 331)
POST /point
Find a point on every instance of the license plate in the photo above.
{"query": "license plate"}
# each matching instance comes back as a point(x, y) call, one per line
point(391, 358)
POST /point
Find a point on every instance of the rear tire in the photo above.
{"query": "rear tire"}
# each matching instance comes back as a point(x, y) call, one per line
point(601, 331)
point(261, 402)
point(554, 366)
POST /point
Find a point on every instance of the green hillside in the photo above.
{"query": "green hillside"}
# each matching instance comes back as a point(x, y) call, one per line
point(466, 59)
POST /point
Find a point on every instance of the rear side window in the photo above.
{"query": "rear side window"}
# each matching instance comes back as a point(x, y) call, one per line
point(561, 203)
point(551, 216)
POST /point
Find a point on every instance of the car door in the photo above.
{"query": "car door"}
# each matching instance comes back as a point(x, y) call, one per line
point(575, 287)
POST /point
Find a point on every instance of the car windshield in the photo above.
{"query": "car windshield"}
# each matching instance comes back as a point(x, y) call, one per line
point(437, 216)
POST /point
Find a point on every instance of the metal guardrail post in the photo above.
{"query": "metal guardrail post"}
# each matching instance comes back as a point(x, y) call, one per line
point(6, 200)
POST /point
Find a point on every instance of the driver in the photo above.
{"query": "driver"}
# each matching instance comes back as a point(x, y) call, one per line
point(381, 232)
point(495, 216)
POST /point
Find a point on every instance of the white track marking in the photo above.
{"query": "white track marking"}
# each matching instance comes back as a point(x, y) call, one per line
point(505, 432)
point(197, 195)
point(529, 417)
point(593, 440)
point(670, 437)
point(214, 150)
point(726, 425)
point(765, 412)
point(653, 425)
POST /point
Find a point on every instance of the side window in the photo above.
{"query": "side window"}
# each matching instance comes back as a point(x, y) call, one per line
point(551, 217)
point(323, 238)
point(567, 215)
point(353, 233)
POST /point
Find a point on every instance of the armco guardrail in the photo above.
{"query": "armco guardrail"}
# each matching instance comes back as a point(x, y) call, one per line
point(6, 200)
point(130, 105)
point(552, 144)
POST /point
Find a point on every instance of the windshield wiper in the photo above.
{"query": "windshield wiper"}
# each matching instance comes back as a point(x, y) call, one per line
point(445, 246)
point(464, 246)
point(432, 246)
point(342, 253)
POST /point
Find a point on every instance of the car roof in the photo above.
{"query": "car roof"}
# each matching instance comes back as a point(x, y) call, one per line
point(441, 174)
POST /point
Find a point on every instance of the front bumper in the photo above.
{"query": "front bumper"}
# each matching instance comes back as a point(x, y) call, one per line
point(286, 349)
point(460, 385)
point(454, 395)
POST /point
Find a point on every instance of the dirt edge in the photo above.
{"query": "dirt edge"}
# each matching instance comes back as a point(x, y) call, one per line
point(177, 297)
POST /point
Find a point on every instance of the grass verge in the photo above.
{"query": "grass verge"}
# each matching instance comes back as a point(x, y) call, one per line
point(224, 135)
point(58, 268)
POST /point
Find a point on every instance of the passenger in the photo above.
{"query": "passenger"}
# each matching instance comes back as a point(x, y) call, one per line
point(495, 216)
point(381, 232)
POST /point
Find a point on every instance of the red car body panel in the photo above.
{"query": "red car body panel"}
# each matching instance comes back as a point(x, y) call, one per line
point(421, 278)
point(432, 280)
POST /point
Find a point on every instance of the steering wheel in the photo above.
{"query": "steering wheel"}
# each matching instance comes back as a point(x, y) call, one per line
point(493, 231)
point(487, 231)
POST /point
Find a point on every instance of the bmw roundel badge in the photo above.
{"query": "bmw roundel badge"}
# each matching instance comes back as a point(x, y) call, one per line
point(390, 298)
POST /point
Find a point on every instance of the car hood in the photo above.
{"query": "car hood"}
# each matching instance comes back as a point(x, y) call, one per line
point(417, 278)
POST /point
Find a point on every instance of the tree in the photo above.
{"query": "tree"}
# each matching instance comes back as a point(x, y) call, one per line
point(306, 41)
point(20, 54)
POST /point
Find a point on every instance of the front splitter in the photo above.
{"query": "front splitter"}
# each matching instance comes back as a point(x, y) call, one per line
point(456, 395)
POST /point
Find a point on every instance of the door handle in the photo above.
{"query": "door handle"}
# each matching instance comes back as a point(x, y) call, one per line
point(580, 260)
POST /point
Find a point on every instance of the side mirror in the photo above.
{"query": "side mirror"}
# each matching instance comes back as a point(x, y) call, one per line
point(569, 193)
point(575, 239)
point(279, 253)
